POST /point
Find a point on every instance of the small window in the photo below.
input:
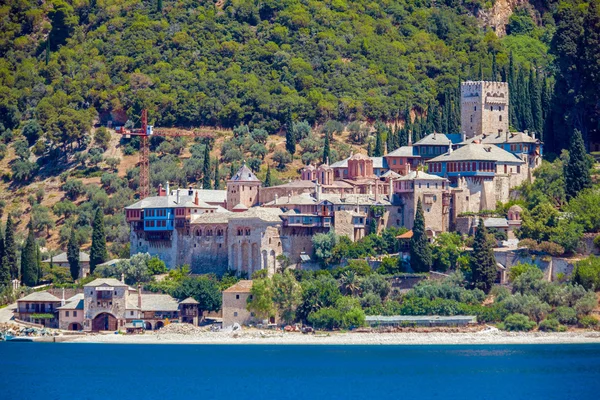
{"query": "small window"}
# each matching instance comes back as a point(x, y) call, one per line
point(237, 296)
point(67, 314)
point(74, 313)
point(235, 313)
point(250, 297)
point(130, 312)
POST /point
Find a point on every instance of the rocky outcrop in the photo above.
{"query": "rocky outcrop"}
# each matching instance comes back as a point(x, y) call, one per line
point(497, 16)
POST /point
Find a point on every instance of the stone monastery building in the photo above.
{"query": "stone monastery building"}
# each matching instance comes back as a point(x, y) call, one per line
point(249, 227)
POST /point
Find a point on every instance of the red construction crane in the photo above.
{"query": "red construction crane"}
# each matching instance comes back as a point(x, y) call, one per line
point(144, 133)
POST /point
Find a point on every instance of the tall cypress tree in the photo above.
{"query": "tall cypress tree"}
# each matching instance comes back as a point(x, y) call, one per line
point(369, 150)
point(495, 74)
point(268, 177)
point(29, 264)
point(10, 249)
point(98, 253)
point(525, 99)
point(217, 177)
point(577, 171)
point(483, 261)
point(421, 257)
point(231, 170)
point(512, 92)
point(206, 169)
point(536, 103)
point(290, 136)
point(326, 148)
point(378, 151)
point(159, 6)
point(48, 50)
point(73, 255)
point(4, 270)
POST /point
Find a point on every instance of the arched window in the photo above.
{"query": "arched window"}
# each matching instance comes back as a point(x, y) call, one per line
point(198, 232)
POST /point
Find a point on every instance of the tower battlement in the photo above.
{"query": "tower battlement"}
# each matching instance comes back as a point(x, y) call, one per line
point(484, 107)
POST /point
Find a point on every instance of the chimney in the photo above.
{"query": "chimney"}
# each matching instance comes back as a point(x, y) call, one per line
point(196, 199)
point(533, 135)
point(168, 190)
point(177, 195)
point(139, 296)
point(190, 191)
point(450, 149)
point(289, 198)
point(410, 138)
point(276, 198)
point(327, 161)
point(463, 136)
point(317, 191)
point(122, 277)
point(161, 191)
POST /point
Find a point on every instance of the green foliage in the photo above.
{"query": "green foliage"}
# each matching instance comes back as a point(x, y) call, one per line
point(30, 267)
point(10, 249)
point(102, 138)
point(317, 293)
point(73, 255)
point(520, 268)
point(577, 170)
point(483, 261)
point(529, 305)
point(261, 302)
point(420, 249)
point(346, 314)
point(551, 325)
point(287, 295)
point(98, 252)
point(587, 273)
point(156, 266)
point(565, 315)
point(588, 322)
point(324, 244)
point(446, 251)
point(517, 322)
point(203, 289)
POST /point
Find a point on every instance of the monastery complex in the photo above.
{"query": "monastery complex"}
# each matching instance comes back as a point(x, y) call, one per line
point(249, 227)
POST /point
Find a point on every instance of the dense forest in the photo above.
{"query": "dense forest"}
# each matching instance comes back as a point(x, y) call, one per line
point(69, 64)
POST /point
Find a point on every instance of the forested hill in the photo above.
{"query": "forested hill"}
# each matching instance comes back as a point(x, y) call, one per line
point(204, 63)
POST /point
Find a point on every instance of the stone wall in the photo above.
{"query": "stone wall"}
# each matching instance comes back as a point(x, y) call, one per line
point(234, 309)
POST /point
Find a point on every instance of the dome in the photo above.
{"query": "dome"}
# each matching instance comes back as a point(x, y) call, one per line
point(515, 209)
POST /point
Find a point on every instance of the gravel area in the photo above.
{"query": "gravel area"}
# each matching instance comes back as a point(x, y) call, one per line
point(255, 336)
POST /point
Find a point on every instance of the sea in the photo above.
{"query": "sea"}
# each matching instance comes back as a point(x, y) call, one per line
point(126, 371)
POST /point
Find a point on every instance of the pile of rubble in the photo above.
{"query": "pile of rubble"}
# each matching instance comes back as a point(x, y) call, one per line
point(18, 330)
point(180, 329)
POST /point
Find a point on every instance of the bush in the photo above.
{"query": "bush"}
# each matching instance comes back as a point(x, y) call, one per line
point(529, 243)
point(528, 305)
point(587, 273)
point(551, 325)
point(565, 315)
point(517, 322)
point(518, 269)
point(588, 322)
point(551, 248)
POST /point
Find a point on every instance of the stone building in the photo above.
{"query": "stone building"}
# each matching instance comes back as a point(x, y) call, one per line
point(71, 314)
point(39, 308)
point(235, 300)
point(242, 189)
point(61, 260)
point(484, 108)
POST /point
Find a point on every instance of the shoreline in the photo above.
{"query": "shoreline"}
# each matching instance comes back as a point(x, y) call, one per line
point(484, 337)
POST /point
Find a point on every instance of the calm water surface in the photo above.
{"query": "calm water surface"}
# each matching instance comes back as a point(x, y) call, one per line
point(108, 371)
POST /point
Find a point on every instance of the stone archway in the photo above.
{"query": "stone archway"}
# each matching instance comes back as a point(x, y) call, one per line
point(158, 325)
point(148, 326)
point(74, 326)
point(104, 322)
point(246, 262)
point(255, 260)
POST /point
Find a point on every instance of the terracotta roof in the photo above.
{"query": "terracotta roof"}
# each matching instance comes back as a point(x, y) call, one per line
point(242, 286)
point(405, 235)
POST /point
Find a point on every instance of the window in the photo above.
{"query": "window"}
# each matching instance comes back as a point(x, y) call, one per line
point(250, 297)
point(237, 296)
point(500, 118)
point(130, 312)
point(74, 313)
point(67, 314)
point(235, 313)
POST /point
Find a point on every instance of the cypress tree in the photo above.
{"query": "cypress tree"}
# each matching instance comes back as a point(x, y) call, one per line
point(268, 177)
point(48, 50)
point(4, 270)
point(159, 6)
point(378, 151)
point(546, 105)
point(495, 74)
point(577, 171)
point(369, 150)
point(421, 257)
point(536, 103)
point(217, 177)
point(525, 102)
point(10, 249)
point(29, 264)
point(512, 91)
point(483, 261)
point(98, 253)
point(326, 148)
point(73, 255)
point(206, 169)
point(290, 136)
point(231, 170)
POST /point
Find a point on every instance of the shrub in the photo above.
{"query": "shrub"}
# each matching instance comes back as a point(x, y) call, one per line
point(587, 273)
point(551, 325)
point(517, 322)
point(529, 243)
point(565, 315)
point(586, 304)
point(528, 305)
point(588, 322)
point(551, 248)
point(518, 269)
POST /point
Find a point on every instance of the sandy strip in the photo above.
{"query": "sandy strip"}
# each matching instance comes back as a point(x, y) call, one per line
point(349, 338)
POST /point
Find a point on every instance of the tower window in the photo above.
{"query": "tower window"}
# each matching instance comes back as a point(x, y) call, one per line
point(500, 118)
point(475, 108)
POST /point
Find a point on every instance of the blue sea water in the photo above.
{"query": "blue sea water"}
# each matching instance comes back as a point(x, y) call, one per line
point(108, 371)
